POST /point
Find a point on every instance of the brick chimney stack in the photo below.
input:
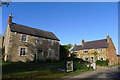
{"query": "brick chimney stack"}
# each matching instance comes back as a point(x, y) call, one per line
point(83, 42)
point(10, 19)
point(108, 38)
point(75, 45)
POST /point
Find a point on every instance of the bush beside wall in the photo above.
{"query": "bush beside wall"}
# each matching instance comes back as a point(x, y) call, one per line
point(102, 62)
point(80, 66)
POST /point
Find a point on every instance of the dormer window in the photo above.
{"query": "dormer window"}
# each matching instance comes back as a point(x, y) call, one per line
point(39, 40)
point(24, 38)
point(99, 50)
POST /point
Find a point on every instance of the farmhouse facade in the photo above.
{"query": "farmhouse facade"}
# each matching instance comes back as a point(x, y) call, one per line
point(96, 50)
point(23, 43)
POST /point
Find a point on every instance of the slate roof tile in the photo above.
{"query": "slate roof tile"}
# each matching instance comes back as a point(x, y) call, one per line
point(32, 31)
point(92, 45)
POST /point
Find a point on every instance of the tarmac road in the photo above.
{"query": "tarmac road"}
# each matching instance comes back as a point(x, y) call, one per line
point(104, 74)
point(108, 73)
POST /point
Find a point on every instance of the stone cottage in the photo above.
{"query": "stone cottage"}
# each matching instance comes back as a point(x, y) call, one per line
point(96, 50)
point(23, 43)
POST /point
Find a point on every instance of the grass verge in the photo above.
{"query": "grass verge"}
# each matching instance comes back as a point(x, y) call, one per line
point(34, 70)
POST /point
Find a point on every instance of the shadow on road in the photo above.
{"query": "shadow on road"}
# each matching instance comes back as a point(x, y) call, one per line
point(91, 79)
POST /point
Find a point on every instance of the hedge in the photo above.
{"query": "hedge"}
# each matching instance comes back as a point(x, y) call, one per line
point(102, 62)
point(78, 65)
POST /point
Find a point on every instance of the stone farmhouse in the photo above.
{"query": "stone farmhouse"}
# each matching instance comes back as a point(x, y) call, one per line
point(97, 50)
point(23, 43)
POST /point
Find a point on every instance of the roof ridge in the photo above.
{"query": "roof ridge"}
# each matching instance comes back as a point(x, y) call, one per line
point(102, 43)
point(95, 40)
point(79, 45)
point(32, 31)
point(31, 27)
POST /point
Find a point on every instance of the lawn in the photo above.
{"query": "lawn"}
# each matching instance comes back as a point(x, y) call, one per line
point(35, 70)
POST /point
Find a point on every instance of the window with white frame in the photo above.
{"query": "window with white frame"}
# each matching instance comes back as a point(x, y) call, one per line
point(24, 38)
point(23, 51)
point(39, 40)
point(85, 58)
point(85, 51)
point(51, 42)
point(53, 52)
point(50, 53)
point(100, 58)
point(100, 50)
point(92, 59)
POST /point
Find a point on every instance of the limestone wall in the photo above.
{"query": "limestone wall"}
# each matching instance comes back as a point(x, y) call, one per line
point(32, 46)
point(90, 53)
point(112, 56)
point(118, 57)
point(6, 42)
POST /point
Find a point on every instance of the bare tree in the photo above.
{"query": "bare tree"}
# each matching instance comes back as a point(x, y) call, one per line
point(5, 2)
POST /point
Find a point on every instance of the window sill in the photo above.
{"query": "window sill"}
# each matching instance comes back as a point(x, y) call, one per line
point(75, 53)
point(100, 52)
point(24, 41)
point(22, 55)
point(39, 43)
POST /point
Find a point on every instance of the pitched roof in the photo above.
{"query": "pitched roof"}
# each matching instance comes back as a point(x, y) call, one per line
point(92, 45)
point(32, 31)
point(76, 48)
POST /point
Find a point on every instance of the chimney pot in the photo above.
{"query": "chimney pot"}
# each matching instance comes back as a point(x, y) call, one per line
point(75, 45)
point(108, 38)
point(83, 42)
point(10, 19)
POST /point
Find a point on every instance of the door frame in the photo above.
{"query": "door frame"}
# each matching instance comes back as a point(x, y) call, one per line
point(37, 54)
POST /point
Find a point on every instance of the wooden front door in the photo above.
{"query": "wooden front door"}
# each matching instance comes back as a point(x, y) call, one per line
point(39, 55)
point(92, 59)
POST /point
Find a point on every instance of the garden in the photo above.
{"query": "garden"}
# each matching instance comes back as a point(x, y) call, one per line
point(43, 70)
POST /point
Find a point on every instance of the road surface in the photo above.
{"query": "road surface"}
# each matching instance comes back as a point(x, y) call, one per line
point(104, 74)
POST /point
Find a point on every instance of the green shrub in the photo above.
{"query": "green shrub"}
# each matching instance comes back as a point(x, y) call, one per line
point(76, 59)
point(102, 62)
point(50, 60)
point(78, 65)
point(79, 60)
